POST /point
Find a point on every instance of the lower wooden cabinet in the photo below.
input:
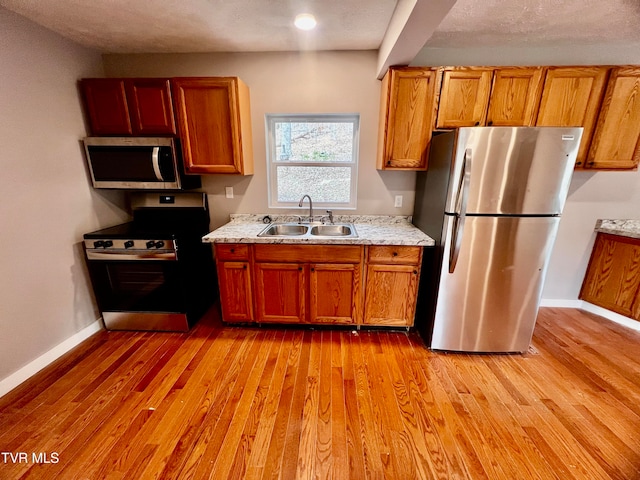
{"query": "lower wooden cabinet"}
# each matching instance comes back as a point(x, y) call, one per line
point(308, 283)
point(334, 293)
point(392, 285)
point(280, 294)
point(612, 280)
point(235, 291)
point(234, 282)
point(318, 284)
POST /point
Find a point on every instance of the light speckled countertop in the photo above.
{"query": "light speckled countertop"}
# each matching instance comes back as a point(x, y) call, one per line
point(371, 230)
point(624, 228)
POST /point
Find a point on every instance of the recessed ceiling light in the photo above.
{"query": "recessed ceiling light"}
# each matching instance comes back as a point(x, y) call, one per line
point(305, 21)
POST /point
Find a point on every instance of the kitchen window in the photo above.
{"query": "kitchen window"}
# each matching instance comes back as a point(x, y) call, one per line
point(315, 155)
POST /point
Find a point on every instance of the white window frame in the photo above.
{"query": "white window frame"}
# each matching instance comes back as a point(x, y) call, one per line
point(273, 163)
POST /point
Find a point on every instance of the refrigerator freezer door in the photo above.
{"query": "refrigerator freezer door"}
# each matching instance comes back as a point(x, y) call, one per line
point(516, 170)
point(489, 302)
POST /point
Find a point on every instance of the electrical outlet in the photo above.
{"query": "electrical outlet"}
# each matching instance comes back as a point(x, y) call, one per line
point(398, 202)
point(228, 192)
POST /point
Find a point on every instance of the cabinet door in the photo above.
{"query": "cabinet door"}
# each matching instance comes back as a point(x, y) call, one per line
point(106, 106)
point(150, 106)
point(334, 291)
point(464, 97)
point(515, 96)
point(390, 295)
point(571, 97)
point(214, 120)
point(407, 118)
point(613, 275)
point(280, 292)
point(235, 291)
point(616, 141)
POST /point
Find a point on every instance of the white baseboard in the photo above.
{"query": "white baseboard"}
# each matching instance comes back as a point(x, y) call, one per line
point(560, 303)
point(15, 379)
point(589, 307)
point(613, 316)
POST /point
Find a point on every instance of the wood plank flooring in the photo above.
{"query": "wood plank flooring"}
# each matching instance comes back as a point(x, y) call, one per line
point(226, 402)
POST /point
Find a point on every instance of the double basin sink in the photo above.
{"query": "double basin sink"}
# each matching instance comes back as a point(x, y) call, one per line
point(309, 230)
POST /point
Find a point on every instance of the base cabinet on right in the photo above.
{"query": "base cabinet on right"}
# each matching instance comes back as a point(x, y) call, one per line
point(612, 280)
point(391, 286)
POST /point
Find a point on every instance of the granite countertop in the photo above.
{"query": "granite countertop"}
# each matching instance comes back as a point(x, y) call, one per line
point(371, 230)
point(624, 228)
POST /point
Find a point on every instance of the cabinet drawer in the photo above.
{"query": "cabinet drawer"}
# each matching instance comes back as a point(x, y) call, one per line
point(308, 253)
point(231, 251)
point(395, 255)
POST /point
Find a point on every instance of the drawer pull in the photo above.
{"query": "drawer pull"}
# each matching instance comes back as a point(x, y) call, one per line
point(395, 254)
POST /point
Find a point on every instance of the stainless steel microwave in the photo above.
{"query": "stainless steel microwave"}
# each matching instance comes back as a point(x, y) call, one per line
point(137, 163)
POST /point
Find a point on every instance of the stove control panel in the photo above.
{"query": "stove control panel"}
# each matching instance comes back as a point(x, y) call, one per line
point(165, 245)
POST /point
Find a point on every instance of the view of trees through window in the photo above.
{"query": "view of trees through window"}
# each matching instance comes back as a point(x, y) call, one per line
point(315, 156)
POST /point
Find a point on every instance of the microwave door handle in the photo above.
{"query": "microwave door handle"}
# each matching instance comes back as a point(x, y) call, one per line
point(155, 161)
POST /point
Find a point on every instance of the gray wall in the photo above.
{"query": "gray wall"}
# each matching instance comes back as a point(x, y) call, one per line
point(312, 82)
point(47, 203)
point(593, 195)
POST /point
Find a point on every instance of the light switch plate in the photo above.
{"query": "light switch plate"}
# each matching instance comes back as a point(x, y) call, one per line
point(228, 192)
point(398, 202)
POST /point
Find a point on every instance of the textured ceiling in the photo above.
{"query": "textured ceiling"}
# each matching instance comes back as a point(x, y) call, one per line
point(538, 23)
point(137, 26)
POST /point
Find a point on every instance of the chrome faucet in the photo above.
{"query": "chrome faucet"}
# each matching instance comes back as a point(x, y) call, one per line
point(310, 206)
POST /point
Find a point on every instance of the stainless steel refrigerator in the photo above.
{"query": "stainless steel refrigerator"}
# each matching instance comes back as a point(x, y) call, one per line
point(492, 199)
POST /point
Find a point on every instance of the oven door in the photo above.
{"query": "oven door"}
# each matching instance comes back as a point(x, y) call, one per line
point(139, 294)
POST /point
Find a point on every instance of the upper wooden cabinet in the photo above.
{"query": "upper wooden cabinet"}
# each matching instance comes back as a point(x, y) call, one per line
point(571, 98)
point(616, 140)
point(464, 97)
point(132, 106)
point(150, 106)
point(515, 96)
point(474, 96)
point(407, 117)
point(214, 120)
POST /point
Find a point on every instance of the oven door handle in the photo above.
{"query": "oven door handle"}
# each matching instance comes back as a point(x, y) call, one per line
point(146, 256)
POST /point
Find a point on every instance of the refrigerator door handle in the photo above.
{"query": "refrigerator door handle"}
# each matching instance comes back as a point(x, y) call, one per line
point(461, 211)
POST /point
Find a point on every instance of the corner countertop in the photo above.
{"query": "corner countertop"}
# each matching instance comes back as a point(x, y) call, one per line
point(623, 228)
point(371, 230)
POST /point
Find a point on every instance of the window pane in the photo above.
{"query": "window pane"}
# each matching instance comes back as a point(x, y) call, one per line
point(314, 141)
point(323, 184)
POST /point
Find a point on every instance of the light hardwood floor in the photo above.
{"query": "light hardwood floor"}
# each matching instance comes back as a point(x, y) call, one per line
point(226, 402)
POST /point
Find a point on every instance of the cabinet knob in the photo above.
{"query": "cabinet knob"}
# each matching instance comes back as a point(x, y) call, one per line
point(490, 123)
point(395, 254)
point(415, 272)
point(244, 267)
point(300, 268)
point(313, 269)
point(388, 162)
point(477, 123)
point(233, 250)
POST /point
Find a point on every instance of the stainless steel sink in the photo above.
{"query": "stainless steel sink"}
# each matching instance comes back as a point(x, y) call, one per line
point(284, 230)
point(299, 230)
point(342, 230)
